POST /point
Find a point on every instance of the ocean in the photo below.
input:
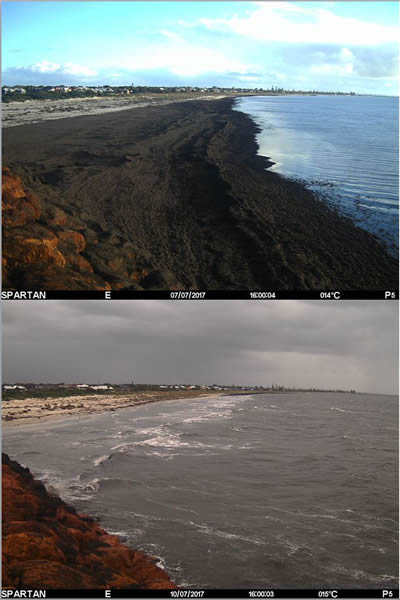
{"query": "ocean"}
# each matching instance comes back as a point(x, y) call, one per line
point(289, 490)
point(345, 148)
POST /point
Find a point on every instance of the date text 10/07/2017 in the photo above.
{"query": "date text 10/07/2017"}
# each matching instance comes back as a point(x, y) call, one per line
point(193, 594)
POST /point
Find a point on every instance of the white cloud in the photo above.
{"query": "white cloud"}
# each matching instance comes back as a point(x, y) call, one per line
point(326, 69)
point(46, 66)
point(362, 62)
point(170, 35)
point(344, 65)
point(72, 69)
point(287, 22)
point(248, 78)
point(187, 61)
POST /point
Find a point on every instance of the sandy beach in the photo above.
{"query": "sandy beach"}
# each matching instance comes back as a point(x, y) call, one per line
point(35, 111)
point(30, 410)
point(170, 197)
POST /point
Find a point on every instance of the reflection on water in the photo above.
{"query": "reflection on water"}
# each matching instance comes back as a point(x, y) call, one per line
point(344, 148)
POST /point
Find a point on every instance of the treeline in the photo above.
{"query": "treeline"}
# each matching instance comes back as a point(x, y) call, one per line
point(60, 390)
point(30, 92)
point(43, 94)
point(282, 388)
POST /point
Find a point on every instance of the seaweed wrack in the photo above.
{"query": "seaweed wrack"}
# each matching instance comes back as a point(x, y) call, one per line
point(171, 197)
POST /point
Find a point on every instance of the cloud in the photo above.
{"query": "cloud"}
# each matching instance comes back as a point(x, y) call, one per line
point(188, 61)
point(67, 69)
point(45, 72)
point(346, 344)
point(170, 35)
point(288, 22)
point(361, 62)
point(45, 67)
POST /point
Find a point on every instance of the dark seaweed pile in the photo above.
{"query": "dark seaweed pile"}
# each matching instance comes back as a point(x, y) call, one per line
point(182, 187)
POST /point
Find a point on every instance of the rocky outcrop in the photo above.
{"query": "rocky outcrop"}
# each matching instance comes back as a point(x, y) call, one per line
point(44, 247)
point(48, 545)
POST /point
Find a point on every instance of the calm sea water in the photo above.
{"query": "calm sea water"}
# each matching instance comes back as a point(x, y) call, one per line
point(277, 490)
point(344, 147)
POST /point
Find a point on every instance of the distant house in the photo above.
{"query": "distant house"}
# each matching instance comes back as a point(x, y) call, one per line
point(101, 387)
point(82, 385)
point(14, 387)
point(20, 90)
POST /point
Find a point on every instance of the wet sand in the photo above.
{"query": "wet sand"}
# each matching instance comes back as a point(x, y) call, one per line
point(183, 185)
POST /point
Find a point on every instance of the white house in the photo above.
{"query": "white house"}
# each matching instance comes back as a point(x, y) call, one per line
point(101, 387)
point(14, 387)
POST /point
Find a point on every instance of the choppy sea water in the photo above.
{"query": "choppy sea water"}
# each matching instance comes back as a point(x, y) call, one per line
point(343, 147)
point(272, 490)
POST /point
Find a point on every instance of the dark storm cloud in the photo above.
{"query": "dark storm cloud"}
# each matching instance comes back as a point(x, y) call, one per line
point(325, 344)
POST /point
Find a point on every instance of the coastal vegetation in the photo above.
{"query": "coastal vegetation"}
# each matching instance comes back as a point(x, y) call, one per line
point(21, 391)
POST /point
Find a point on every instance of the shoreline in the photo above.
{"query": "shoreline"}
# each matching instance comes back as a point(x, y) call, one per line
point(45, 410)
point(190, 172)
point(47, 544)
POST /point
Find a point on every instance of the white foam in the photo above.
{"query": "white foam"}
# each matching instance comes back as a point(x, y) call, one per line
point(99, 460)
point(208, 530)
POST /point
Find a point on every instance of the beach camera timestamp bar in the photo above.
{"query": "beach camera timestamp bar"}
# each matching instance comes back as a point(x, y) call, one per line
point(196, 295)
point(208, 593)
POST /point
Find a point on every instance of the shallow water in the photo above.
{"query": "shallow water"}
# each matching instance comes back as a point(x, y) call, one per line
point(344, 147)
point(273, 490)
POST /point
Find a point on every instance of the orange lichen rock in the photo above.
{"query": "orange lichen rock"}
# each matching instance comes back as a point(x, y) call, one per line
point(75, 238)
point(45, 248)
point(18, 206)
point(48, 545)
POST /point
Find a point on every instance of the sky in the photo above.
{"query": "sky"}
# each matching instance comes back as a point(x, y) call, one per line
point(329, 46)
point(345, 344)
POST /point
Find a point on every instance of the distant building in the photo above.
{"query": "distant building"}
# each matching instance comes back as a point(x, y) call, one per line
point(14, 387)
point(101, 387)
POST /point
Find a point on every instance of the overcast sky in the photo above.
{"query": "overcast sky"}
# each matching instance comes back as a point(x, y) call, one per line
point(294, 343)
point(343, 46)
